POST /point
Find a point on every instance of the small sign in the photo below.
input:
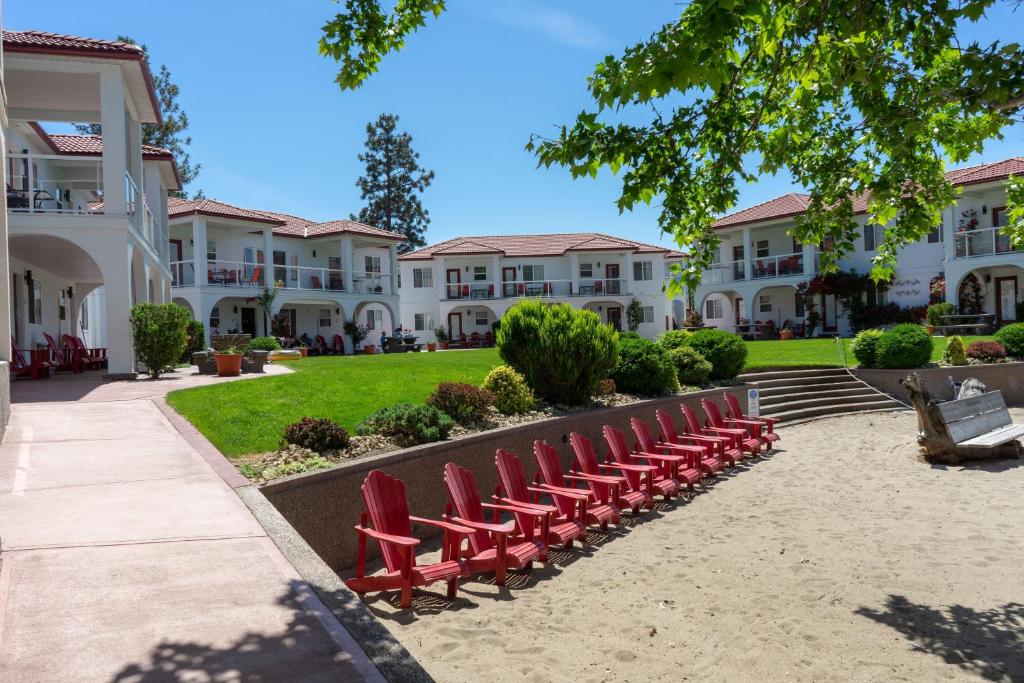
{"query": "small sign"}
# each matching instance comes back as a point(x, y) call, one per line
point(752, 403)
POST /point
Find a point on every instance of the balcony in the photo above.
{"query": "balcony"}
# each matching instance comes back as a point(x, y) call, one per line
point(54, 184)
point(243, 274)
point(771, 267)
point(985, 242)
point(588, 287)
point(724, 273)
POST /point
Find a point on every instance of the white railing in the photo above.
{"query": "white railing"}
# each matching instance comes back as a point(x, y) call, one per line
point(721, 273)
point(984, 242)
point(54, 183)
point(311, 278)
point(511, 289)
point(599, 286)
point(234, 274)
point(784, 265)
point(371, 283)
point(183, 273)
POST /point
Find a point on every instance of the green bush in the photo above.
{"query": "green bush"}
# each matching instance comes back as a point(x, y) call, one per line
point(692, 369)
point(606, 387)
point(264, 344)
point(196, 339)
point(408, 424)
point(986, 351)
point(954, 353)
point(644, 368)
point(462, 402)
point(563, 352)
point(865, 347)
point(904, 346)
point(673, 339)
point(1012, 337)
point(936, 311)
point(512, 394)
point(317, 434)
point(159, 333)
point(725, 351)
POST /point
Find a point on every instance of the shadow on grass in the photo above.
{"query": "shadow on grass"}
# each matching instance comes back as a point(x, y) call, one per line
point(988, 643)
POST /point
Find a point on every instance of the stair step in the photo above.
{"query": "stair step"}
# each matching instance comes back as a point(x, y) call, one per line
point(803, 381)
point(798, 402)
point(772, 392)
point(820, 411)
point(775, 399)
point(789, 374)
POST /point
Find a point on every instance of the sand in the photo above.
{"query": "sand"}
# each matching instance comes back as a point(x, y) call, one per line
point(842, 557)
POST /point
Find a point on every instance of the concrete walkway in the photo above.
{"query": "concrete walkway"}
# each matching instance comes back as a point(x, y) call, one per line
point(125, 557)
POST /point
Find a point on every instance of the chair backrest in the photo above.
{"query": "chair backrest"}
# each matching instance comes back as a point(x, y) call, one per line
point(475, 337)
point(18, 360)
point(52, 343)
point(616, 441)
point(733, 406)
point(667, 426)
point(586, 461)
point(598, 286)
point(643, 435)
point(257, 272)
point(465, 496)
point(320, 340)
point(388, 510)
point(966, 418)
point(338, 343)
point(511, 475)
point(711, 410)
point(548, 463)
point(693, 425)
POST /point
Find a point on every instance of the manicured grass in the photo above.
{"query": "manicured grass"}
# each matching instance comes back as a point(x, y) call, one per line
point(249, 416)
point(796, 353)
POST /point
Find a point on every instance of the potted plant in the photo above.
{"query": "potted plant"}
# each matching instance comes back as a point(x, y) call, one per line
point(431, 346)
point(229, 362)
point(356, 332)
point(370, 349)
point(442, 338)
point(785, 332)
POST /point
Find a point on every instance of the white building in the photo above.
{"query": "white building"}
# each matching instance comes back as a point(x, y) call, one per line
point(759, 264)
point(222, 257)
point(465, 284)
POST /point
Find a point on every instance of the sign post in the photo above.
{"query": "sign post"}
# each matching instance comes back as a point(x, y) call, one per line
point(753, 409)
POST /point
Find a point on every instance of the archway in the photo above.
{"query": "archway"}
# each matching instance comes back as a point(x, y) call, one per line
point(470, 319)
point(777, 305)
point(186, 305)
point(995, 290)
point(721, 309)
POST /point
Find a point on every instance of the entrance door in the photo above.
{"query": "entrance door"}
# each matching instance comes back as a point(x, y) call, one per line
point(737, 309)
point(453, 277)
point(508, 281)
point(828, 313)
point(611, 276)
point(1006, 299)
point(249, 321)
point(177, 267)
point(615, 317)
point(737, 263)
point(454, 326)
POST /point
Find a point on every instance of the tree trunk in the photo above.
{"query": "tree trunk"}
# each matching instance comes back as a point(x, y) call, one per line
point(933, 438)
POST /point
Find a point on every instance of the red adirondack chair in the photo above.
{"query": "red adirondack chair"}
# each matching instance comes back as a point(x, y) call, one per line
point(61, 358)
point(599, 509)
point(710, 460)
point(768, 434)
point(34, 363)
point(320, 345)
point(338, 344)
point(749, 432)
point(728, 445)
point(690, 467)
point(387, 510)
point(493, 546)
point(256, 278)
point(92, 359)
point(566, 523)
point(663, 477)
point(626, 491)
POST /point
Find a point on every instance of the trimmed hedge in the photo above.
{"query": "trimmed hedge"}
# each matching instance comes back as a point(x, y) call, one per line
point(955, 353)
point(725, 351)
point(986, 351)
point(673, 339)
point(936, 311)
point(1012, 337)
point(317, 434)
point(865, 347)
point(160, 334)
point(904, 346)
point(462, 402)
point(408, 424)
point(512, 394)
point(644, 368)
point(264, 344)
point(692, 369)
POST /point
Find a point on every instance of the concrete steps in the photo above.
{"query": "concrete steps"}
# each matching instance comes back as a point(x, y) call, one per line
point(807, 393)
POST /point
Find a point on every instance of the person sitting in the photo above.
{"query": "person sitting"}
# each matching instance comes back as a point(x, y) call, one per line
point(383, 342)
point(305, 340)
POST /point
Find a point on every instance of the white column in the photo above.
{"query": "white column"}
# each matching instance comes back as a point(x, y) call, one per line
point(496, 274)
point(114, 134)
point(574, 271)
point(346, 262)
point(627, 266)
point(134, 165)
point(949, 236)
point(268, 257)
point(5, 273)
point(117, 285)
point(393, 267)
point(439, 280)
point(808, 250)
point(199, 252)
point(746, 255)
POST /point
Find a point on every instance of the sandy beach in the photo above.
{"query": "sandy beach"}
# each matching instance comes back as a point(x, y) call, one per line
point(841, 557)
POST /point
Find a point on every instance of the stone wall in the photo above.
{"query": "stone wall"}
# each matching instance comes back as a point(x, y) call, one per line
point(1006, 377)
point(323, 506)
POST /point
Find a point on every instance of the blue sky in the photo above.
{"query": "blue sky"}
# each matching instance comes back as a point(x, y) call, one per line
point(273, 131)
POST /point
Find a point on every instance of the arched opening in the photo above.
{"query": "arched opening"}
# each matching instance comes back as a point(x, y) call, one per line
point(773, 308)
point(993, 290)
point(722, 309)
point(186, 305)
point(471, 319)
point(307, 319)
point(610, 311)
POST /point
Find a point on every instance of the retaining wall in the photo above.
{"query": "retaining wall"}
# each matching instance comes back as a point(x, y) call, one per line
point(323, 506)
point(1006, 377)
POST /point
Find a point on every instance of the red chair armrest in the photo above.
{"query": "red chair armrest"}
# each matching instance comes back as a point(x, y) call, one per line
point(388, 538)
point(628, 468)
point(441, 524)
point(505, 528)
point(533, 507)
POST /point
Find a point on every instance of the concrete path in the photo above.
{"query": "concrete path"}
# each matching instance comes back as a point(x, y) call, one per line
point(125, 557)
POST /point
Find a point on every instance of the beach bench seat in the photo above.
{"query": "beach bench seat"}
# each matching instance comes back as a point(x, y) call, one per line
point(979, 421)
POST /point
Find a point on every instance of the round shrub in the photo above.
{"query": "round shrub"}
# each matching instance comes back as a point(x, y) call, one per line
point(865, 347)
point(264, 344)
point(196, 340)
point(563, 352)
point(725, 351)
point(986, 351)
point(512, 394)
point(644, 368)
point(317, 434)
point(408, 424)
point(1012, 337)
point(936, 311)
point(673, 339)
point(904, 346)
point(464, 403)
point(955, 353)
point(692, 369)
point(159, 333)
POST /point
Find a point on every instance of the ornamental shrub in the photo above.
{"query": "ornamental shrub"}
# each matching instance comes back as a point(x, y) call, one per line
point(317, 434)
point(725, 351)
point(1012, 337)
point(408, 424)
point(936, 311)
point(196, 339)
point(692, 369)
point(954, 353)
point(159, 333)
point(865, 347)
point(264, 344)
point(512, 394)
point(644, 368)
point(986, 351)
point(563, 352)
point(904, 346)
point(462, 402)
point(673, 339)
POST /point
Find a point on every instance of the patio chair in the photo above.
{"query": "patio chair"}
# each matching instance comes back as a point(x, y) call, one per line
point(314, 282)
point(319, 346)
point(91, 359)
point(630, 489)
point(256, 278)
point(662, 476)
point(338, 344)
point(727, 447)
point(715, 457)
point(733, 438)
point(488, 338)
point(62, 358)
point(751, 441)
point(474, 340)
point(599, 509)
point(691, 467)
point(566, 522)
point(387, 510)
point(768, 434)
point(32, 363)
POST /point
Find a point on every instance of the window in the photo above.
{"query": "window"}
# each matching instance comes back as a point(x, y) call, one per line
point(215, 318)
point(935, 236)
point(798, 310)
point(643, 270)
point(764, 303)
point(424, 321)
point(480, 273)
point(533, 273)
point(324, 319)
point(762, 249)
point(646, 314)
point(211, 250)
point(713, 308)
point(873, 235)
point(875, 297)
point(422, 278)
point(373, 265)
point(587, 270)
point(375, 319)
point(481, 319)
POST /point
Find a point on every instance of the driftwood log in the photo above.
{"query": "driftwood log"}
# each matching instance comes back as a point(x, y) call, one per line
point(933, 437)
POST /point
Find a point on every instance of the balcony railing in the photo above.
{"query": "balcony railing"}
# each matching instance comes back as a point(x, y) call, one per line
point(721, 273)
point(588, 287)
point(54, 183)
point(243, 274)
point(138, 210)
point(777, 266)
point(985, 242)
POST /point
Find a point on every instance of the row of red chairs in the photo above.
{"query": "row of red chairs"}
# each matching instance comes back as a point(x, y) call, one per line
point(591, 493)
point(74, 356)
point(474, 340)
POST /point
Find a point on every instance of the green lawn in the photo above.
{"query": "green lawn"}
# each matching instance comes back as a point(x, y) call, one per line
point(250, 416)
point(796, 353)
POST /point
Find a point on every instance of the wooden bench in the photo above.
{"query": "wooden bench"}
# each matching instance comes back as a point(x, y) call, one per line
point(977, 328)
point(979, 421)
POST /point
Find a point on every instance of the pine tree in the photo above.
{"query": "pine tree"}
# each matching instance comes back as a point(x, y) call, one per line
point(392, 182)
point(169, 134)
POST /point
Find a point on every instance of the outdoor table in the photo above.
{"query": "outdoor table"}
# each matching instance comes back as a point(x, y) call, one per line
point(981, 323)
point(534, 290)
point(748, 329)
point(586, 290)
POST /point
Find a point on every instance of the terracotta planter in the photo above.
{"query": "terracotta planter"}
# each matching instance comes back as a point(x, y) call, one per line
point(785, 334)
point(369, 349)
point(304, 351)
point(228, 364)
point(930, 329)
point(431, 346)
point(444, 346)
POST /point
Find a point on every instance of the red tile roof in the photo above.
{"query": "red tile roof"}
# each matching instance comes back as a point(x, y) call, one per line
point(556, 244)
point(20, 41)
point(211, 207)
point(794, 203)
point(92, 145)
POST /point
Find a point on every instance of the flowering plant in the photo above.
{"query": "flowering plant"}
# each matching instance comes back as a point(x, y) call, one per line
point(968, 220)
